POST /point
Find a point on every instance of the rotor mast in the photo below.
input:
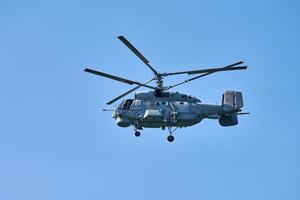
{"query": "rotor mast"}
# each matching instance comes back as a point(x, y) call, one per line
point(159, 82)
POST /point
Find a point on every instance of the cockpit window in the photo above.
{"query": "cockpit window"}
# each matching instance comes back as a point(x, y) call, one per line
point(127, 104)
point(137, 102)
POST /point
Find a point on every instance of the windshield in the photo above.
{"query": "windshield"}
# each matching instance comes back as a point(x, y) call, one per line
point(126, 104)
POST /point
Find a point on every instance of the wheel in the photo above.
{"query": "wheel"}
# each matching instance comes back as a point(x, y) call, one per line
point(174, 120)
point(170, 138)
point(137, 133)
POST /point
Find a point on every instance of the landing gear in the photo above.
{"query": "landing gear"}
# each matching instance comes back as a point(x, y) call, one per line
point(171, 138)
point(137, 133)
point(174, 120)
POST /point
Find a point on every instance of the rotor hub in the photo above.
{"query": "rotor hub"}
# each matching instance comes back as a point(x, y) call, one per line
point(159, 81)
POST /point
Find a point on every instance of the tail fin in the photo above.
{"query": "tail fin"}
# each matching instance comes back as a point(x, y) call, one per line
point(232, 101)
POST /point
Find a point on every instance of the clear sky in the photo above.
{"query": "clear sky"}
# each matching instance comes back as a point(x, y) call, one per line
point(56, 143)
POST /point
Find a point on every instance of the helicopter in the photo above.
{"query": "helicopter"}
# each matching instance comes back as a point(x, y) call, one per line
point(161, 108)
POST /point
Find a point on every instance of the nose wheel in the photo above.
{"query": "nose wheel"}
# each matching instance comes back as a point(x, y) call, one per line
point(137, 133)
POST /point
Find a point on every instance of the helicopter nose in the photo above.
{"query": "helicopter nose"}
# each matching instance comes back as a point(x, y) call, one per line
point(123, 122)
point(116, 114)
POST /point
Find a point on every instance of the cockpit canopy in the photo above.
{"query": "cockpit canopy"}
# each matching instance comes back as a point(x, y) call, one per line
point(126, 104)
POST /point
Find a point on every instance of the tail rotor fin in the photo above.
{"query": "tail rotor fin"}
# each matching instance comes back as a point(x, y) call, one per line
point(232, 101)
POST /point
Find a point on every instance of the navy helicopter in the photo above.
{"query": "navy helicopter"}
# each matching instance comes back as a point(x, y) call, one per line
point(160, 108)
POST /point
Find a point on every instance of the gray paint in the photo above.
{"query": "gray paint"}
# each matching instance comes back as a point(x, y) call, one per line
point(173, 109)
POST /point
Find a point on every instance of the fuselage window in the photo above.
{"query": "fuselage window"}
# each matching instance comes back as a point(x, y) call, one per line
point(137, 102)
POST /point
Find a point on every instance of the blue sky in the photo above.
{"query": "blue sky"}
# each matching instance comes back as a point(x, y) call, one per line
point(56, 143)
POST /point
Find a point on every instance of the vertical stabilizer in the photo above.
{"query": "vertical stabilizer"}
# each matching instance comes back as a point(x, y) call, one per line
point(232, 100)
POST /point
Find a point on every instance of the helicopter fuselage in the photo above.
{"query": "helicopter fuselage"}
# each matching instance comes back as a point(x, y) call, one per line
point(166, 109)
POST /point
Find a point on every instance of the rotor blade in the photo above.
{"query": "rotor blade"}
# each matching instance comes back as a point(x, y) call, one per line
point(126, 93)
point(137, 53)
point(123, 95)
point(202, 75)
point(116, 78)
point(191, 79)
point(226, 68)
point(217, 70)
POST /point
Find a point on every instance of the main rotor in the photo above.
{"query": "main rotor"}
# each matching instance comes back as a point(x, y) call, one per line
point(158, 77)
